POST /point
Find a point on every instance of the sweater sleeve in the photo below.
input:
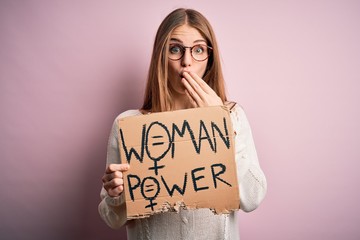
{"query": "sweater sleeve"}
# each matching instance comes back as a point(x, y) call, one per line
point(113, 209)
point(251, 179)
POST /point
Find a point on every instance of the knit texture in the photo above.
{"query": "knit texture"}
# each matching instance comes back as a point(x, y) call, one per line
point(199, 223)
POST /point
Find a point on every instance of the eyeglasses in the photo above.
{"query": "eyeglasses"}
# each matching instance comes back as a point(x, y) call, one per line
point(199, 52)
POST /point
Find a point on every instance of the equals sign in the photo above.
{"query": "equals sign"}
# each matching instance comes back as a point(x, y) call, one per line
point(149, 190)
point(157, 143)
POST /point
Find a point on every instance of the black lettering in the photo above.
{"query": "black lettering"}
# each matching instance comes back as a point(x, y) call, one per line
point(195, 179)
point(132, 186)
point(175, 186)
point(132, 150)
point(216, 175)
point(161, 142)
point(223, 136)
point(203, 128)
point(181, 133)
point(148, 188)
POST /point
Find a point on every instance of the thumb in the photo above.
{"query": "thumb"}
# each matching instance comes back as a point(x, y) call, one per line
point(117, 167)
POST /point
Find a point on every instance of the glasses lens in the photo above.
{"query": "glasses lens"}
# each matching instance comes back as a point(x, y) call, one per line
point(200, 52)
point(175, 51)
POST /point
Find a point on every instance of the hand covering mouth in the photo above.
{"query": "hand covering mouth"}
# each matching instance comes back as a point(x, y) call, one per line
point(182, 73)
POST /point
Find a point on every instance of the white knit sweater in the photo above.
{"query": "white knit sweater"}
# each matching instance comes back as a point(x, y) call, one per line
point(191, 224)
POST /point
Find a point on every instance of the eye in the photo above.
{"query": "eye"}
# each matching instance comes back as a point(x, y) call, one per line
point(199, 49)
point(175, 49)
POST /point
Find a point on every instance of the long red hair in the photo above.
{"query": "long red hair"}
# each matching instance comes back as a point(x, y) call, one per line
point(157, 95)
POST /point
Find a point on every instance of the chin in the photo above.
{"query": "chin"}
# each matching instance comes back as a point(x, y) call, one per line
point(178, 90)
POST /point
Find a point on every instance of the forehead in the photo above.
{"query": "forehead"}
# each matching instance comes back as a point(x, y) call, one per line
point(186, 34)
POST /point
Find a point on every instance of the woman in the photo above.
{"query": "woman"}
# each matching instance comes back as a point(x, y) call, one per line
point(185, 72)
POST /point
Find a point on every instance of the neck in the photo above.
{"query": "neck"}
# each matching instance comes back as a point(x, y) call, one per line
point(181, 101)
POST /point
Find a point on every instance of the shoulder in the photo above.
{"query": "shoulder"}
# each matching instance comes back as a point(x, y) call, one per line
point(125, 114)
point(115, 125)
point(237, 115)
point(234, 107)
point(128, 113)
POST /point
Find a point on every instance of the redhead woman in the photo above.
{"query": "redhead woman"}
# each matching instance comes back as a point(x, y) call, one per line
point(185, 72)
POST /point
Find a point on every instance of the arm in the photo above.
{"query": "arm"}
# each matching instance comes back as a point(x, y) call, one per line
point(112, 209)
point(251, 179)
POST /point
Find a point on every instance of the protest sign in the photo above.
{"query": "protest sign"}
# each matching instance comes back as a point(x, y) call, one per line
point(181, 158)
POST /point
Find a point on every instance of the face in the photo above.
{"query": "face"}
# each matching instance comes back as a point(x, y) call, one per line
point(187, 36)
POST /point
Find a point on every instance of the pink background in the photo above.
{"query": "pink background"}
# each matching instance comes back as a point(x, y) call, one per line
point(67, 68)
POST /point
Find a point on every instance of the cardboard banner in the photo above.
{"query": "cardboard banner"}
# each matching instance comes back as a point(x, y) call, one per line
point(182, 158)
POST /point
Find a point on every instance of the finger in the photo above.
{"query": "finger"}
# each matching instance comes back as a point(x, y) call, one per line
point(210, 97)
point(108, 177)
point(192, 101)
point(115, 192)
point(195, 86)
point(204, 86)
point(116, 182)
point(104, 178)
point(192, 93)
point(117, 167)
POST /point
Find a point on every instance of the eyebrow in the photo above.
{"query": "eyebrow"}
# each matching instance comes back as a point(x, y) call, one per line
point(179, 41)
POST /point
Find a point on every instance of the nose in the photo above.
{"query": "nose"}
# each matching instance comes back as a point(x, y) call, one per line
point(186, 60)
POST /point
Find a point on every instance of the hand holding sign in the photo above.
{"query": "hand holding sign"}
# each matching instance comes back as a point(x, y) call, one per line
point(113, 179)
point(199, 93)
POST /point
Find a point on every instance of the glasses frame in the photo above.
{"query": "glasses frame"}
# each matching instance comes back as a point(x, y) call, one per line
point(183, 48)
